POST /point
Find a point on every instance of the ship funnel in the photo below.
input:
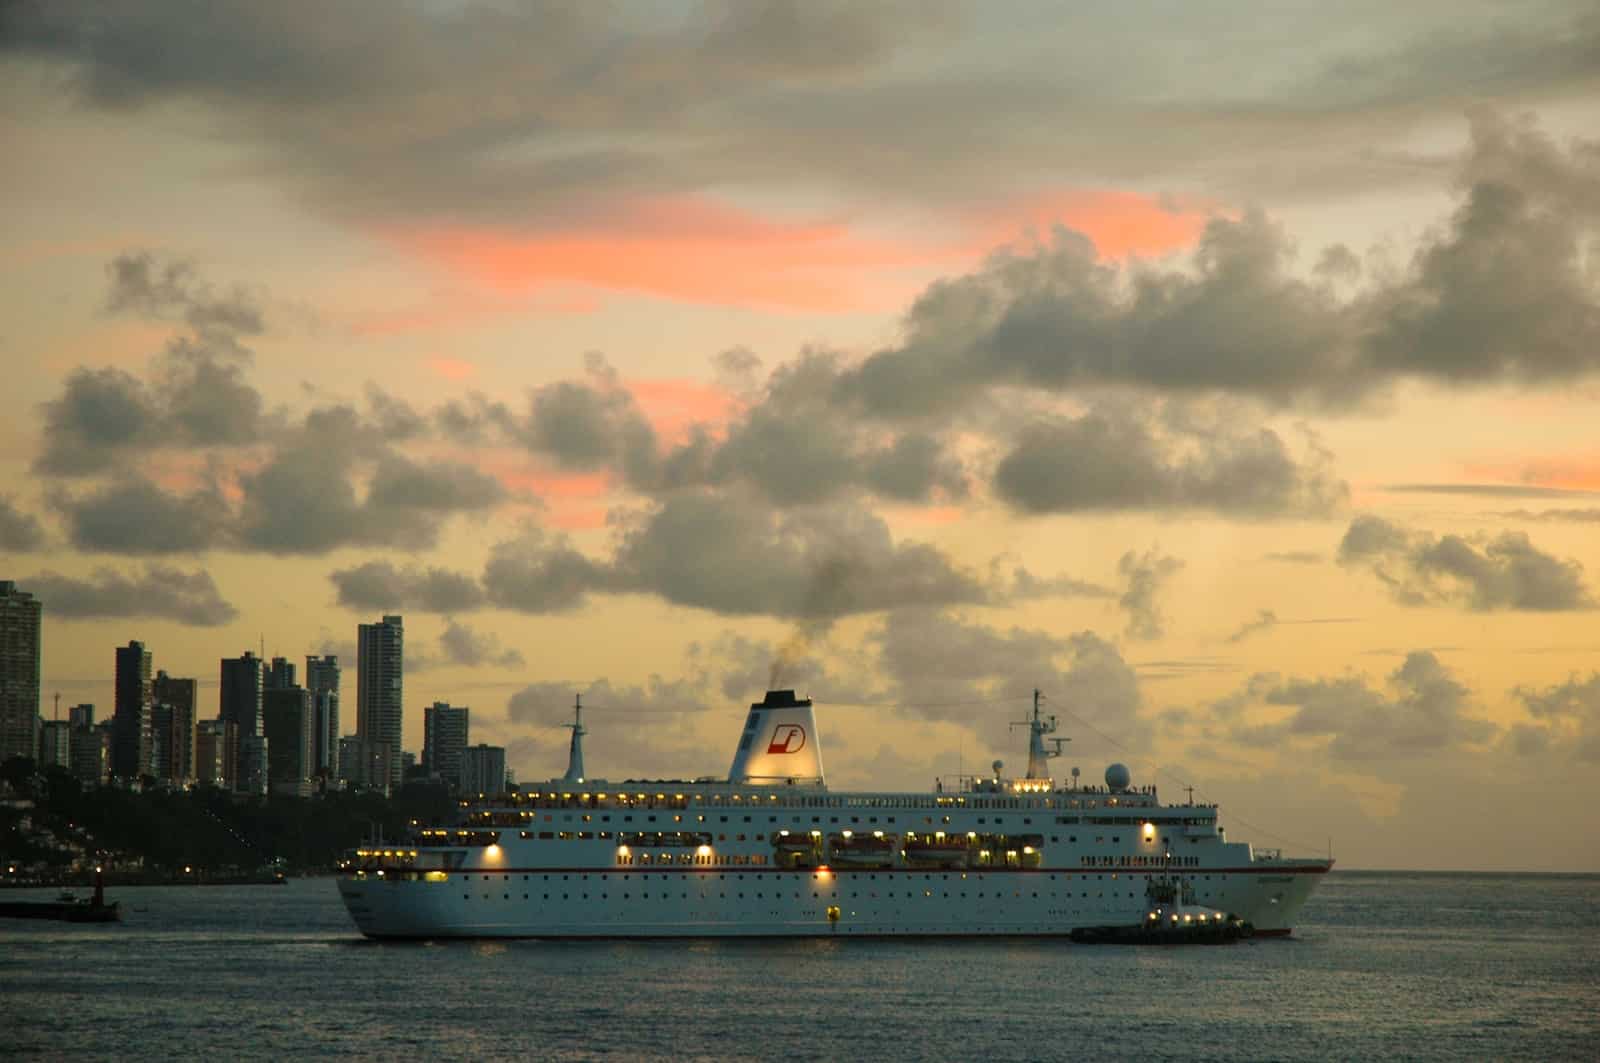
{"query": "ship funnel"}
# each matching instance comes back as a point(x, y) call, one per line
point(780, 745)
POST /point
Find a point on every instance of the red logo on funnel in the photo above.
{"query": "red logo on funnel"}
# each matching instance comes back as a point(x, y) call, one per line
point(787, 738)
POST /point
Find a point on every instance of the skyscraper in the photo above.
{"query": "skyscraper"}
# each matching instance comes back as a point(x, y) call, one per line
point(20, 615)
point(130, 732)
point(172, 728)
point(81, 715)
point(444, 737)
point(240, 705)
point(380, 660)
point(287, 716)
point(322, 679)
point(279, 675)
point(483, 769)
point(55, 745)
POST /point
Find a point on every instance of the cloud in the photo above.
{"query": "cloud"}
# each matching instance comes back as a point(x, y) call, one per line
point(944, 667)
point(1119, 457)
point(535, 573)
point(1265, 620)
point(160, 592)
point(196, 395)
point(1425, 710)
point(1481, 573)
point(379, 585)
point(20, 532)
point(736, 556)
point(1295, 557)
point(1566, 717)
point(132, 515)
point(461, 645)
point(1576, 516)
point(1490, 490)
point(1144, 577)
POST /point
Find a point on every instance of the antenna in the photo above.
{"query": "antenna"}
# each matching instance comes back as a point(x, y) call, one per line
point(1038, 727)
point(575, 751)
point(58, 707)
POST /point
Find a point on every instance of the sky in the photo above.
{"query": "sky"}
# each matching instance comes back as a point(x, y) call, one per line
point(1228, 373)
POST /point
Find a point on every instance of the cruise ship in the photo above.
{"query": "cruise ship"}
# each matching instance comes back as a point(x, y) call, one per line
point(771, 851)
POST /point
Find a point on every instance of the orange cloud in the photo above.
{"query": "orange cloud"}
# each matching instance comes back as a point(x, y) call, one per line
point(1120, 223)
point(674, 406)
point(452, 368)
point(687, 249)
point(1580, 473)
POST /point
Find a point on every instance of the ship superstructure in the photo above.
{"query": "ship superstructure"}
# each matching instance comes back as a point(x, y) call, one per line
point(772, 851)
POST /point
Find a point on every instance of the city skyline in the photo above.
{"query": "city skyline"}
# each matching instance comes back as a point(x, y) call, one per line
point(1227, 373)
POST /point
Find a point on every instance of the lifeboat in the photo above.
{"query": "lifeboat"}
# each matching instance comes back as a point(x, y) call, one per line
point(785, 842)
point(861, 850)
point(943, 851)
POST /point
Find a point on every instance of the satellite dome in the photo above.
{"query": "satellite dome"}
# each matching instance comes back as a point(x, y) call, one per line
point(1117, 777)
point(998, 767)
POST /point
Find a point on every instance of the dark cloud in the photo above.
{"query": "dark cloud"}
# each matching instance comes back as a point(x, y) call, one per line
point(614, 100)
point(1566, 717)
point(160, 592)
point(535, 573)
point(1425, 710)
point(1025, 585)
point(380, 585)
point(1144, 577)
point(737, 556)
point(100, 413)
point(132, 515)
point(1265, 620)
point(1490, 490)
point(401, 484)
point(196, 395)
point(1576, 516)
point(461, 645)
point(170, 289)
point(1504, 571)
point(1295, 557)
point(1120, 457)
point(586, 426)
point(550, 703)
point(20, 532)
point(1505, 291)
point(944, 667)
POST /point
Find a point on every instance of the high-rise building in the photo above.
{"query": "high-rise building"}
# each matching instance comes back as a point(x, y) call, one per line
point(380, 666)
point(444, 737)
point(322, 679)
point(289, 720)
point(131, 738)
point(239, 703)
point(172, 727)
point(350, 761)
point(20, 617)
point(216, 752)
point(81, 716)
point(55, 744)
point(483, 769)
point(279, 675)
point(91, 751)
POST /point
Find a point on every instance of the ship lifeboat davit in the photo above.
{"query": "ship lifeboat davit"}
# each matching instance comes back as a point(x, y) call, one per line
point(940, 851)
point(861, 850)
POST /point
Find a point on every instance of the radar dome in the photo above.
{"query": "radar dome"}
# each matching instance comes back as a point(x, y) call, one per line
point(1117, 777)
point(998, 767)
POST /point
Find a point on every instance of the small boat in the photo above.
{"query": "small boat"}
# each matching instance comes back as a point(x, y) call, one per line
point(66, 907)
point(1173, 919)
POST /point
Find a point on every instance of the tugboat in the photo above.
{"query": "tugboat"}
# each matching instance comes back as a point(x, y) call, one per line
point(1173, 919)
point(66, 907)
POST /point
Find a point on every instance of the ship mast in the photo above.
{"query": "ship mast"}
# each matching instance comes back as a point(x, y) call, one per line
point(575, 752)
point(1038, 727)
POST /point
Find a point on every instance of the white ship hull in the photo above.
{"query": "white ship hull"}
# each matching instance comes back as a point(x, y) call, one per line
point(694, 902)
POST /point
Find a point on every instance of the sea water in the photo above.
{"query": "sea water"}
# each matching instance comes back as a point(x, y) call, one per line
point(1382, 966)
